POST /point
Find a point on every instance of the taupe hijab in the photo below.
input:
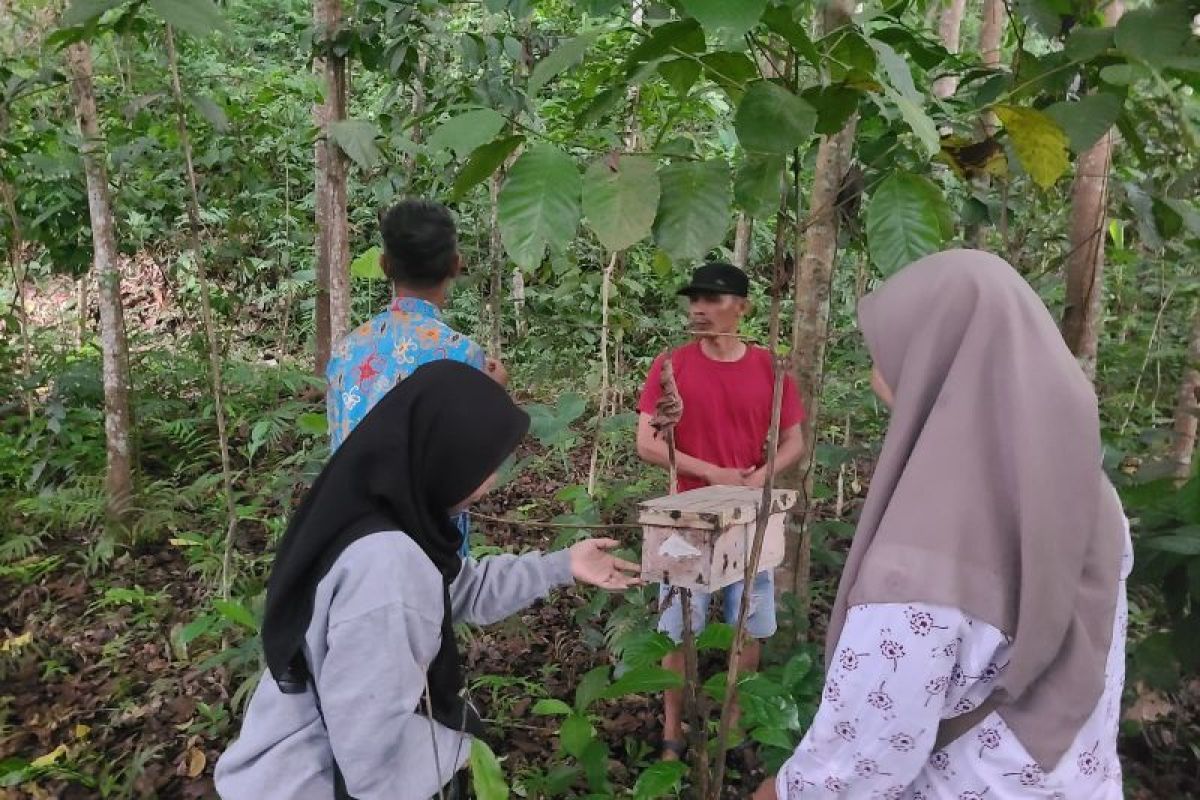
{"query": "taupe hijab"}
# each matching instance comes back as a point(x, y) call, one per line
point(989, 494)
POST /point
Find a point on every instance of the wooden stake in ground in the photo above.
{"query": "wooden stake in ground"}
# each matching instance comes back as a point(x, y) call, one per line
point(778, 287)
point(667, 413)
point(119, 452)
point(206, 315)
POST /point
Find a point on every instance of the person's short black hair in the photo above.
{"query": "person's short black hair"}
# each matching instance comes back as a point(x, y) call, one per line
point(420, 243)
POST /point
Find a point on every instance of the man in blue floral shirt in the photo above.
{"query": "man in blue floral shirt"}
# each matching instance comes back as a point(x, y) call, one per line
point(420, 256)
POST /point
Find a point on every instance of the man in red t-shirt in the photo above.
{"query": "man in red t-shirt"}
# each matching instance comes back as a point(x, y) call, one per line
point(726, 386)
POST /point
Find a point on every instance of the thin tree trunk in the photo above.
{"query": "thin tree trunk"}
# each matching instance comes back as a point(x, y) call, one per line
point(418, 110)
point(1085, 259)
point(323, 344)
point(741, 241)
point(82, 302)
point(338, 234)
point(991, 32)
point(1187, 405)
point(948, 30)
point(810, 327)
point(19, 272)
point(113, 344)
point(210, 328)
point(496, 288)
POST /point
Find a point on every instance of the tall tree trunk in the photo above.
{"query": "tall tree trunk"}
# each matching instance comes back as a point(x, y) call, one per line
point(338, 235)
point(323, 344)
point(948, 29)
point(113, 344)
point(332, 239)
point(1187, 405)
point(206, 315)
point(741, 241)
point(810, 326)
point(1085, 259)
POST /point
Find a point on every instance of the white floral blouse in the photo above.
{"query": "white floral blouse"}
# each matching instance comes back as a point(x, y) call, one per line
point(902, 668)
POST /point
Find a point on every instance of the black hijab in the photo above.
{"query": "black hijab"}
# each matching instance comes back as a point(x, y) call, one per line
point(423, 449)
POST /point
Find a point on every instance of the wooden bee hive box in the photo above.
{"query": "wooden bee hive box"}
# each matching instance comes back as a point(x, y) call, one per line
point(701, 539)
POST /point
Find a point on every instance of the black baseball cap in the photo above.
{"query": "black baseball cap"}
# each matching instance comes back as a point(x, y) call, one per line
point(717, 277)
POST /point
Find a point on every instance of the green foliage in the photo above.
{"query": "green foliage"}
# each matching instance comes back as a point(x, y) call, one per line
point(773, 121)
point(487, 778)
point(539, 204)
point(620, 196)
point(907, 218)
point(693, 215)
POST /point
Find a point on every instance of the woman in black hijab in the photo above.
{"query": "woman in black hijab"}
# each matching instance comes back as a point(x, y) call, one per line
point(363, 699)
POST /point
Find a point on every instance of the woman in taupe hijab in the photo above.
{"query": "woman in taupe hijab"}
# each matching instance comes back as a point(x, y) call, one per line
point(976, 646)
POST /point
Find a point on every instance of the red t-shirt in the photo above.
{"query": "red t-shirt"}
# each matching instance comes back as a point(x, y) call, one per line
point(726, 406)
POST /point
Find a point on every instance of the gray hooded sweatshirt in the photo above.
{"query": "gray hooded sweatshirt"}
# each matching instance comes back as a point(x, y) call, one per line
point(375, 629)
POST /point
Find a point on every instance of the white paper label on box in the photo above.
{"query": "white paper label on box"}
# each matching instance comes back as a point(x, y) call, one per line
point(678, 547)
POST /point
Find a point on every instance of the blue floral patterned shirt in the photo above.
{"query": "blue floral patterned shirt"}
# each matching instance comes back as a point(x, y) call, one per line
point(380, 353)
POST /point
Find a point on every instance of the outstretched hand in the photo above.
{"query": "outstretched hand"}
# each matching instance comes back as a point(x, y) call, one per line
point(592, 563)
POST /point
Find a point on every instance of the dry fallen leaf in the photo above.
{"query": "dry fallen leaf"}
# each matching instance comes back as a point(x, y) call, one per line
point(196, 762)
point(17, 642)
point(49, 758)
point(82, 730)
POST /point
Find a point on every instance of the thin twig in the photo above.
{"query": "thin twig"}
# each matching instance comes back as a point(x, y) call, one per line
point(529, 523)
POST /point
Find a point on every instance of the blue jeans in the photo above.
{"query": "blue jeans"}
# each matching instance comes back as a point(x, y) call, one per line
point(760, 621)
point(463, 523)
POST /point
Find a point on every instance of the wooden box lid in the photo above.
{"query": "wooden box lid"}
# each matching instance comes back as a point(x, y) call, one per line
point(712, 507)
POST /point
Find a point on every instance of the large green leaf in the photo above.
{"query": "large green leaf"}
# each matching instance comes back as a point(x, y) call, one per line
point(906, 219)
point(1038, 141)
point(620, 198)
point(898, 73)
point(770, 119)
point(645, 647)
point(565, 56)
point(1180, 544)
point(1086, 43)
point(575, 734)
point(482, 163)
point(693, 211)
point(550, 707)
point(733, 72)
point(757, 188)
point(672, 38)
point(1086, 120)
point(591, 688)
point(717, 636)
point(366, 265)
point(782, 20)
point(81, 12)
point(659, 780)
point(726, 20)
point(1156, 34)
point(917, 120)
point(197, 17)
point(680, 73)
point(834, 104)
point(467, 131)
point(356, 138)
point(650, 678)
point(487, 777)
point(539, 204)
